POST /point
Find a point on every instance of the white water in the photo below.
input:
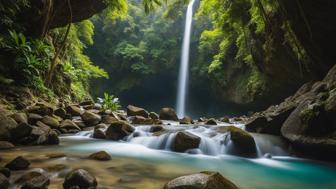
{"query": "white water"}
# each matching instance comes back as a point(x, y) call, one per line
point(184, 67)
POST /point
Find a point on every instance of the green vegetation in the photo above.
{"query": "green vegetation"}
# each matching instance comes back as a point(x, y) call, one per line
point(109, 102)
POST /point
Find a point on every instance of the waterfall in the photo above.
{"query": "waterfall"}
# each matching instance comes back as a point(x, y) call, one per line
point(183, 74)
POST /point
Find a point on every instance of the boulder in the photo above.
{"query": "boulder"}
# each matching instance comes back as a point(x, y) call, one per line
point(108, 119)
point(99, 131)
point(186, 120)
point(136, 111)
point(243, 142)
point(21, 131)
point(39, 182)
point(79, 178)
point(118, 130)
point(256, 124)
point(153, 115)
point(42, 108)
point(34, 118)
point(90, 119)
point(87, 103)
point(225, 119)
point(51, 121)
point(20, 117)
point(202, 180)
point(155, 128)
point(100, 156)
point(211, 121)
point(68, 126)
point(184, 141)
point(61, 112)
point(6, 125)
point(4, 145)
point(19, 163)
point(168, 114)
point(49, 138)
point(74, 110)
point(5, 171)
point(144, 121)
point(4, 182)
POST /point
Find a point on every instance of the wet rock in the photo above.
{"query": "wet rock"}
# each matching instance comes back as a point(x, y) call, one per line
point(87, 103)
point(74, 110)
point(20, 117)
point(136, 111)
point(55, 155)
point(256, 124)
point(50, 138)
point(184, 141)
point(211, 121)
point(62, 113)
point(68, 126)
point(118, 130)
point(225, 119)
point(100, 156)
point(203, 180)
point(50, 121)
point(187, 120)
point(99, 131)
point(79, 178)
point(108, 119)
point(22, 130)
point(19, 163)
point(155, 128)
point(90, 119)
point(34, 118)
point(6, 125)
point(144, 121)
point(39, 182)
point(4, 182)
point(28, 176)
point(5, 171)
point(42, 108)
point(4, 145)
point(168, 114)
point(243, 142)
point(153, 115)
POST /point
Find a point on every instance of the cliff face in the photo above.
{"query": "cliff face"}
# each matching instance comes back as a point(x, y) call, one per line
point(58, 13)
point(314, 24)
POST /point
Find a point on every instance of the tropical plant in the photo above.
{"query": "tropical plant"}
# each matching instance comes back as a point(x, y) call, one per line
point(110, 102)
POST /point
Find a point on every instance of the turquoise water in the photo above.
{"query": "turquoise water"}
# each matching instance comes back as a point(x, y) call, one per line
point(276, 173)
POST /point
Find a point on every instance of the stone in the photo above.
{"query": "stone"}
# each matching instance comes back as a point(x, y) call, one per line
point(68, 126)
point(99, 131)
point(34, 118)
point(86, 103)
point(184, 141)
point(51, 121)
point(91, 119)
point(118, 130)
point(39, 182)
point(5, 171)
point(20, 117)
point(79, 178)
point(143, 121)
point(22, 130)
point(256, 124)
point(186, 120)
point(211, 121)
point(168, 114)
point(100, 156)
point(154, 115)
point(61, 112)
point(42, 108)
point(19, 163)
point(74, 110)
point(225, 119)
point(108, 119)
point(6, 125)
point(202, 180)
point(50, 138)
point(4, 182)
point(136, 111)
point(155, 128)
point(5, 145)
point(243, 142)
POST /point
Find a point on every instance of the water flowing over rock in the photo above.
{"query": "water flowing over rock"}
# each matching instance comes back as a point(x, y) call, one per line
point(244, 144)
point(203, 180)
point(184, 141)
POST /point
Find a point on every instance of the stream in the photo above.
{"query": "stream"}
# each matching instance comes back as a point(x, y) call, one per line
point(145, 161)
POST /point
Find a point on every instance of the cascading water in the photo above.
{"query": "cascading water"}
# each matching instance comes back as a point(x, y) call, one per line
point(183, 74)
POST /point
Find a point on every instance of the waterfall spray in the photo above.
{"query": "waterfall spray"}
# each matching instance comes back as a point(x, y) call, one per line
point(184, 67)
